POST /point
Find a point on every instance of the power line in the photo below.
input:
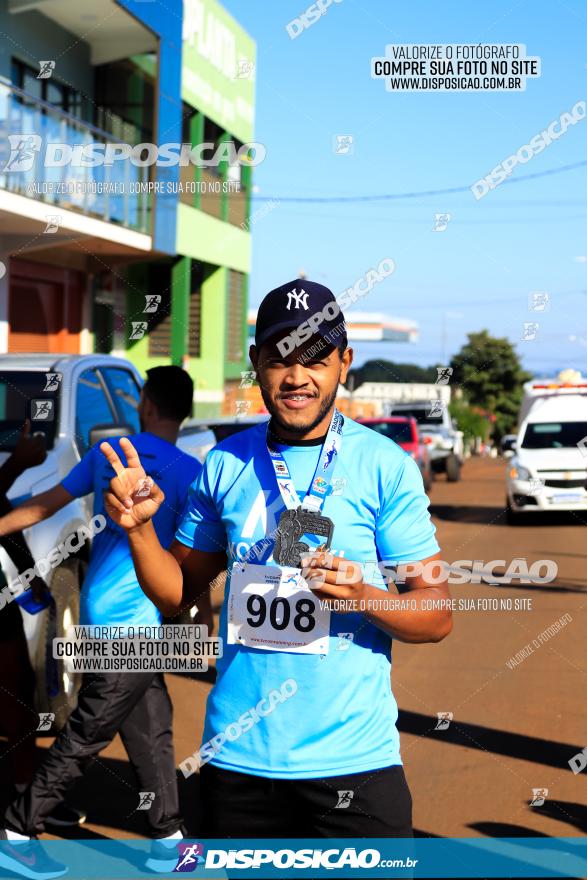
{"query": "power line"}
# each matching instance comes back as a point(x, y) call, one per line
point(412, 195)
point(420, 220)
point(487, 302)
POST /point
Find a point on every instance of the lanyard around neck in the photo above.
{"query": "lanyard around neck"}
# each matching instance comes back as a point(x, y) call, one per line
point(322, 478)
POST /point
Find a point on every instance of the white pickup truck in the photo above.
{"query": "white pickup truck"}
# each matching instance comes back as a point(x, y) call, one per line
point(548, 470)
point(428, 404)
point(75, 401)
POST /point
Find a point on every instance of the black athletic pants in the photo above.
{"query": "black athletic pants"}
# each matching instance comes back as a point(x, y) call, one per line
point(373, 804)
point(138, 706)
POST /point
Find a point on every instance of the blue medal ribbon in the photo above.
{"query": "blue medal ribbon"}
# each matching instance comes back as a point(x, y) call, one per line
point(316, 494)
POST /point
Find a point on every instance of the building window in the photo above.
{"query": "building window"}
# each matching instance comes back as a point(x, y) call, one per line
point(235, 316)
point(195, 310)
point(187, 173)
point(50, 90)
point(160, 329)
point(212, 135)
point(237, 193)
point(187, 114)
point(109, 317)
point(211, 177)
point(124, 97)
point(159, 282)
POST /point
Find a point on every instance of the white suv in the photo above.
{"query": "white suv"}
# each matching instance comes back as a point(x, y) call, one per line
point(548, 471)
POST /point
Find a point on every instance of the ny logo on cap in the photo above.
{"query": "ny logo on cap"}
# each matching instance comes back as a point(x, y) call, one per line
point(300, 299)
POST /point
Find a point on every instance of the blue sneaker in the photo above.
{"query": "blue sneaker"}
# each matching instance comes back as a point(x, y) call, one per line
point(28, 859)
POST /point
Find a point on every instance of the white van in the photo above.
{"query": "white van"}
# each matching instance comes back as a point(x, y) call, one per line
point(548, 471)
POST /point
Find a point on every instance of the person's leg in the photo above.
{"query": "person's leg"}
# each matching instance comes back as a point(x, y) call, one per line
point(18, 718)
point(377, 803)
point(148, 739)
point(104, 701)
point(240, 805)
point(17, 685)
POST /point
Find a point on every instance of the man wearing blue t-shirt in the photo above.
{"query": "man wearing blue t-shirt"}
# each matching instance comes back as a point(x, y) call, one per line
point(313, 512)
point(136, 704)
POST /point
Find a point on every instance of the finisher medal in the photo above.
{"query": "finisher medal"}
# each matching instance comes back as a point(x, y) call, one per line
point(293, 524)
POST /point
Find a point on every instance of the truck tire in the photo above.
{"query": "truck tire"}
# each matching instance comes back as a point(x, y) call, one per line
point(56, 689)
point(453, 469)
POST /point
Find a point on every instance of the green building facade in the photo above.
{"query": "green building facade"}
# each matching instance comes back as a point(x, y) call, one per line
point(201, 294)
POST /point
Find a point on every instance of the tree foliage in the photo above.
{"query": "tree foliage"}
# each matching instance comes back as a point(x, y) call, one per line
point(469, 421)
point(486, 369)
point(388, 371)
point(489, 372)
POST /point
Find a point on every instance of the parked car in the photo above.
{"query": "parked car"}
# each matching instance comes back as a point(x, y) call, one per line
point(203, 433)
point(196, 440)
point(548, 471)
point(445, 442)
point(74, 401)
point(403, 430)
point(507, 445)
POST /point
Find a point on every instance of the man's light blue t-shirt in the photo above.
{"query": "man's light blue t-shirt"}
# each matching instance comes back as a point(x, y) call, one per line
point(342, 717)
point(111, 593)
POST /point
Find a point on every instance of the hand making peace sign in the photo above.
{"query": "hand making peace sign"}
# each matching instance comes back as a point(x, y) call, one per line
point(133, 498)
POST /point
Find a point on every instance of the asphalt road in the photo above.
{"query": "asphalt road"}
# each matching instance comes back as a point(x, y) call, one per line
point(513, 729)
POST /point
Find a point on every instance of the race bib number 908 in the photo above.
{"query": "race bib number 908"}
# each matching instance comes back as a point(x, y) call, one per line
point(272, 608)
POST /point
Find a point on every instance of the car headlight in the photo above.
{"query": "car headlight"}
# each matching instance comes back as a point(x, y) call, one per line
point(520, 473)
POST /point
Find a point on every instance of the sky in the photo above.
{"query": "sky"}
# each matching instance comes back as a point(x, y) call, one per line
point(524, 237)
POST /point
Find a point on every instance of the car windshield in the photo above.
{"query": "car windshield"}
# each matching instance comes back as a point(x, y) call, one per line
point(401, 432)
point(28, 394)
point(554, 435)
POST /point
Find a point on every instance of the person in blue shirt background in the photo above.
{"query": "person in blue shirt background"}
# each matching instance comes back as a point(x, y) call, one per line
point(136, 704)
point(302, 709)
point(18, 717)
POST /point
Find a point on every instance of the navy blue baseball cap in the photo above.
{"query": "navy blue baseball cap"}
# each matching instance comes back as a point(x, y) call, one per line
point(300, 309)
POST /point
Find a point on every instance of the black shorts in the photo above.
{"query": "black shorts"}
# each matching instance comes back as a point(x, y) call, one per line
point(372, 804)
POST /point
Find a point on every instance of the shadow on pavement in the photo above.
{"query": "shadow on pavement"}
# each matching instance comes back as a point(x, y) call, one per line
point(505, 829)
point(566, 811)
point(537, 588)
point(495, 516)
point(490, 516)
point(488, 739)
point(209, 676)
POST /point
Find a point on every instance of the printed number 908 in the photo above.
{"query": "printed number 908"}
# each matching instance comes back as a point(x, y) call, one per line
point(280, 613)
